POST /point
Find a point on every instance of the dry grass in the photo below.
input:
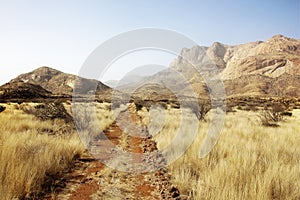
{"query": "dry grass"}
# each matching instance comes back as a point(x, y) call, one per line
point(93, 118)
point(32, 151)
point(248, 162)
point(29, 156)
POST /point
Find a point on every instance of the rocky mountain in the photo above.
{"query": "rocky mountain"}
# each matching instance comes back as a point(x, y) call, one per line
point(60, 83)
point(272, 58)
point(261, 68)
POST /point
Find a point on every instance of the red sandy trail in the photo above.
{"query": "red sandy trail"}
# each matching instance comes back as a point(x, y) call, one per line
point(90, 179)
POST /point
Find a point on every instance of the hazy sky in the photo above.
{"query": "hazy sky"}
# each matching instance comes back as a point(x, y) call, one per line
point(61, 34)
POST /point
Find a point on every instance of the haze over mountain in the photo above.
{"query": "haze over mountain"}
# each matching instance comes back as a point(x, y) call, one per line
point(269, 68)
point(136, 75)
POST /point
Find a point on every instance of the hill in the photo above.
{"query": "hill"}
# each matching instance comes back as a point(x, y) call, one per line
point(60, 83)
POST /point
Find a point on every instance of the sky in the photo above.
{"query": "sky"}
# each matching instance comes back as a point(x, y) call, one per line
point(62, 33)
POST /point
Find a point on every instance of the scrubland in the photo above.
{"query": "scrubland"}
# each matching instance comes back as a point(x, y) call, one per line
point(249, 161)
point(30, 158)
point(34, 154)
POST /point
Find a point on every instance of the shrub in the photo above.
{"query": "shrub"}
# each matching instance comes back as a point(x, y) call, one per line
point(49, 111)
point(271, 116)
point(203, 110)
point(2, 108)
point(138, 106)
point(286, 113)
point(200, 111)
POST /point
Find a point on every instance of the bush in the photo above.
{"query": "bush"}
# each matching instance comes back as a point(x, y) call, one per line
point(203, 109)
point(49, 111)
point(286, 113)
point(2, 108)
point(271, 116)
point(138, 106)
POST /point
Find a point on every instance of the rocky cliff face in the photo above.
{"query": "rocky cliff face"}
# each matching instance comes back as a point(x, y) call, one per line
point(264, 68)
point(271, 58)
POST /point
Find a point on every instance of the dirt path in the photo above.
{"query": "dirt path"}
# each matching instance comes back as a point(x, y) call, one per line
point(90, 179)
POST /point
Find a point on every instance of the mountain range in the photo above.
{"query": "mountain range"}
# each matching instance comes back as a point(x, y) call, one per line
point(261, 68)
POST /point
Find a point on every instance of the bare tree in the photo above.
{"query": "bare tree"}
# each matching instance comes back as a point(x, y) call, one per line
point(201, 110)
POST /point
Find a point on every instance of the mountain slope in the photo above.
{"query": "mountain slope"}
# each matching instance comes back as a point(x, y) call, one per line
point(22, 90)
point(60, 83)
point(272, 58)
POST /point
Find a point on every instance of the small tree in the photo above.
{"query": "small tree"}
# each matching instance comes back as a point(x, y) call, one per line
point(201, 110)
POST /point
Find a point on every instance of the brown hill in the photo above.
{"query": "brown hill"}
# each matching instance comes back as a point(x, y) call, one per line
point(60, 83)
